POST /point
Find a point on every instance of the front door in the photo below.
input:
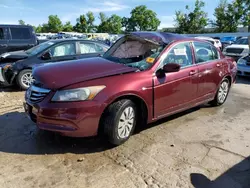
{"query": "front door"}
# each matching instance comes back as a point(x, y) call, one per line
point(63, 52)
point(210, 69)
point(176, 90)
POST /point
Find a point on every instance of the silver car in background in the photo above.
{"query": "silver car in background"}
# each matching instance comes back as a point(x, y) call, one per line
point(243, 65)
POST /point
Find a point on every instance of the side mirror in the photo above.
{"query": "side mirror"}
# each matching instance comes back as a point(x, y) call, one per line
point(168, 68)
point(46, 56)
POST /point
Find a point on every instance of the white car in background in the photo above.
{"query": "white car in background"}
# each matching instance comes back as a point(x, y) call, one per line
point(215, 42)
point(239, 49)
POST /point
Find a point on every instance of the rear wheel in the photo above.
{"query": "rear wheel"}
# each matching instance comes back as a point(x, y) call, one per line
point(120, 121)
point(222, 93)
point(25, 79)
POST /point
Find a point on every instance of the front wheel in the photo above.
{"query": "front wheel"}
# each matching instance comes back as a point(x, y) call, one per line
point(222, 93)
point(120, 121)
point(25, 79)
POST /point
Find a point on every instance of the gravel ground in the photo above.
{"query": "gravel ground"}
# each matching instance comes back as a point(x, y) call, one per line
point(203, 147)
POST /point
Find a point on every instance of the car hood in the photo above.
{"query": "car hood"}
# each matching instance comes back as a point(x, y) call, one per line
point(10, 57)
point(238, 46)
point(62, 74)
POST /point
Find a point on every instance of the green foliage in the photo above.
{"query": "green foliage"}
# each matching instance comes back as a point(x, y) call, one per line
point(90, 22)
point(230, 15)
point(141, 19)
point(110, 25)
point(81, 24)
point(54, 24)
point(21, 22)
point(67, 27)
point(193, 21)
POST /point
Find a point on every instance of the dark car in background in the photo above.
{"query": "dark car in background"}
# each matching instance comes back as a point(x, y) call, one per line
point(16, 67)
point(16, 37)
point(143, 77)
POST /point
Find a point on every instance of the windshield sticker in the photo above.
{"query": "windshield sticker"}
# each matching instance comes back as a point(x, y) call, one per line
point(150, 60)
point(180, 51)
point(5, 55)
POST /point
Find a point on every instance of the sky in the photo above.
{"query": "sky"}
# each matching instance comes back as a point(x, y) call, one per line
point(36, 12)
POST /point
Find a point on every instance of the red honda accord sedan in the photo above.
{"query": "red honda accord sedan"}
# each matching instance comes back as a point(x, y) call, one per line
point(143, 77)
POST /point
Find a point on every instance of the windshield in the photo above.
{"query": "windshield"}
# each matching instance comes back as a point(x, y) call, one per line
point(243, 41)
point(39, 48)
point(135, 53)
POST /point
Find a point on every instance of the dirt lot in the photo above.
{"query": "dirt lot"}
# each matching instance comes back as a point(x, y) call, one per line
point(203, 148)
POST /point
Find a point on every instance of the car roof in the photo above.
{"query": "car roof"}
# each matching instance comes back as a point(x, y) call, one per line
point(21, 26)
point(73, 40)
point(206, 38)
point(159, 37)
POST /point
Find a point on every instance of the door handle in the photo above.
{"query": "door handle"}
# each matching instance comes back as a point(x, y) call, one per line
point(3, 45)
point(192, 72)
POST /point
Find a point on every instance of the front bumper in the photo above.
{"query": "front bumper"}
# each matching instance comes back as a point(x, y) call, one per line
point(235, 56)
point(243, 70)
point(73, 119)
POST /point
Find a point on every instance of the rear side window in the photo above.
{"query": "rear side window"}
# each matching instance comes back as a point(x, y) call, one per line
point(20, 33)
point(86, 48)
point(204, 52)
point(1, 34)
point(215, 53)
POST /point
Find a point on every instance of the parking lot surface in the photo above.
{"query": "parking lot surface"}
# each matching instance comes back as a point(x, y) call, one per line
point(204, 147)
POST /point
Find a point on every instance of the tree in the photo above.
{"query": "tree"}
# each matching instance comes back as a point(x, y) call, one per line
point(81, 24)
point(102, 17)
point(141, 19)
point(192, 22)
point(224, 20)
point(90, 22)
point(242, 12)
point(112, 24)
point(39, 29)
point(21, 22)
point(67, 27)
point(103, 26)
point(54, 24)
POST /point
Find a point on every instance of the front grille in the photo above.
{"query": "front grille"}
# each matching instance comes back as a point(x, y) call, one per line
point(37, 94)
point(234, 50)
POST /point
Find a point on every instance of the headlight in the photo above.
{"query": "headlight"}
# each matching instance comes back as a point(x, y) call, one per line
point(241, 61)
point(79, 94)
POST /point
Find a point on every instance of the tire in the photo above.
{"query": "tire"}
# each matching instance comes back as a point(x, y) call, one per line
point(222, 93)
point(24, 85)
point(120, 121)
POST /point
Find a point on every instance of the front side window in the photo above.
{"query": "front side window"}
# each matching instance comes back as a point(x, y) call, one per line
point(65, 49)
point(180, 54)
point(204, 52)
point(20, 33)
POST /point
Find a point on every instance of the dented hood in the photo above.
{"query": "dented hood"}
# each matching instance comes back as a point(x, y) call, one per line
point(59, 75)
point(10, 57)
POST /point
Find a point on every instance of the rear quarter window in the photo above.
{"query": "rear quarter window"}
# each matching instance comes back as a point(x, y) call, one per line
point(20, 33)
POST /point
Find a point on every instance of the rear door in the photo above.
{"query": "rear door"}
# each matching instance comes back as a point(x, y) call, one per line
point(21, 38)
point(3, 40)
point(210, 68)
point(90, 49)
